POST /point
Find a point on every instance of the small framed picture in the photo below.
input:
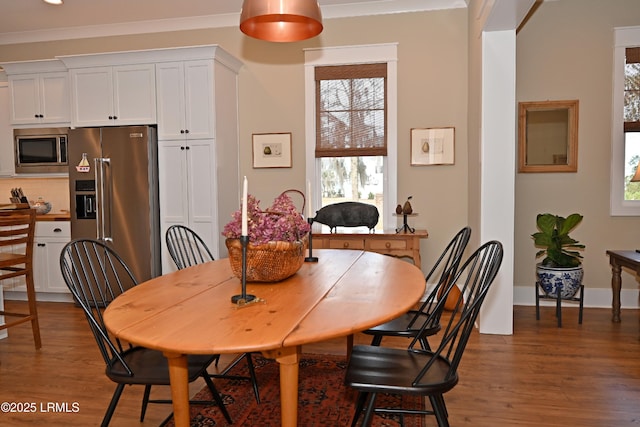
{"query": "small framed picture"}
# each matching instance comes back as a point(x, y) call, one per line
point(432, 146)
point(271, 150)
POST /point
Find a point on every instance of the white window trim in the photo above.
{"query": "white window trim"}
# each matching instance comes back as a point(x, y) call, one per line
point(348, 55)
point(623, 37)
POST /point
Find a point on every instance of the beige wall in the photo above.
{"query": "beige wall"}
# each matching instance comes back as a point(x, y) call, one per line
point(565, 51)
point(432, 70)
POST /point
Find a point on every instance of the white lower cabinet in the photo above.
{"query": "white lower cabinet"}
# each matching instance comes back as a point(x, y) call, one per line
point(50, 238)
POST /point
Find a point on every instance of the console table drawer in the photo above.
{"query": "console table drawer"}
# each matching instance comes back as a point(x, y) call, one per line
point(382, 245)
point(346, 244)
point(387, 243)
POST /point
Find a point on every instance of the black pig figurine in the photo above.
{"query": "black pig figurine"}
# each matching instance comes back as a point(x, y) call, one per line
point(348, 214)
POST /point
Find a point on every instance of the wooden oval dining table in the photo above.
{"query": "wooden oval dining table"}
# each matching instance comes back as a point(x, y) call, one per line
point(190, 312)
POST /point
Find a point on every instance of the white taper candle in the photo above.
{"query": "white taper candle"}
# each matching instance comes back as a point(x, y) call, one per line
point(245, 225)
point(309, 200)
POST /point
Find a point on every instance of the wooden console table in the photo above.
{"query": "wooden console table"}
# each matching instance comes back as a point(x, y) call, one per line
point(403, 244)
point(619, 259)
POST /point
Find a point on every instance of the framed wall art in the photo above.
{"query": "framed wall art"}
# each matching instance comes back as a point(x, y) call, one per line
point(271, 150)
point(432, 146)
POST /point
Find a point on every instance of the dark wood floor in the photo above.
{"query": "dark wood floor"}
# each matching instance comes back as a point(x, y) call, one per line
point(581, 375)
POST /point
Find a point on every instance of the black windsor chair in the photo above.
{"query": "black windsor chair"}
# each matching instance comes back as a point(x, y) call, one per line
point(425, 321)
point(96, 275)
point(372, 370)
point(187, 249)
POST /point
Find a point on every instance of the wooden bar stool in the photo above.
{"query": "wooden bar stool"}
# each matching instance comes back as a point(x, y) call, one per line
point(17, 229)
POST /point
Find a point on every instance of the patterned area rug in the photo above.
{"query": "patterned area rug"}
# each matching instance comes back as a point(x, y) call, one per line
point(323, 399)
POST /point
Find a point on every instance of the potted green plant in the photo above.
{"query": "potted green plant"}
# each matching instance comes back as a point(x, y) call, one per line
point(561, 268)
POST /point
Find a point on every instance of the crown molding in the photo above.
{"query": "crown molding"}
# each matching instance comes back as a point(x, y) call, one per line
point(379, 7)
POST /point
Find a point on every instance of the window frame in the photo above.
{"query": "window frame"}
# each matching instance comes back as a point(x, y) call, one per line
point(624, 37)
point(352, 55)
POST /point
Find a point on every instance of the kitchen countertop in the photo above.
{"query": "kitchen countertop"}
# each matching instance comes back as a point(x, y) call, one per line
point(62, 216)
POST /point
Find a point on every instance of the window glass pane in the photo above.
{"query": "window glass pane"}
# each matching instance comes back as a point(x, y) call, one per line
point(631, 160)
point(356, 179)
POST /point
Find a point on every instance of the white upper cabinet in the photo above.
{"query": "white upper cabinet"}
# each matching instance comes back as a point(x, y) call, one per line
point(185, 101)
point(39, 92)
point(6, 134)
point(110, 96)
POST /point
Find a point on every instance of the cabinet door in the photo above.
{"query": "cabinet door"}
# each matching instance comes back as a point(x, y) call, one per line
point(40, 265)
point(51, 236)
point(54, 98)
point(170, 103)
point(134, 94)
point(55, 282)
point(199, 99)
point(6, 133)
point(91, 96)
point(172, 181)
point(202, 187)
point(25, 99)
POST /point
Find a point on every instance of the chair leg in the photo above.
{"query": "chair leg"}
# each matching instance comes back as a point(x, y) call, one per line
point(368, 415)
point(377, 339)
point(217, 397)
point(33, 309)
point(145, 401)
point(437, 402)
point(252, 374)
point(362, 397)
point(112, 405)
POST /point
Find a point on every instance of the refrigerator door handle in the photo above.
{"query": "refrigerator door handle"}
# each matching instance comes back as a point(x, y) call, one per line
point(102, 210)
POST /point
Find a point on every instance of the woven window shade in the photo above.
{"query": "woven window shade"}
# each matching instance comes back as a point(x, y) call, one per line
point(632, 90)
point(351, 110)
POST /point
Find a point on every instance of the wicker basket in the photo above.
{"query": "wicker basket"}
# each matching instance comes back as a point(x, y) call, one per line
point(270, 262)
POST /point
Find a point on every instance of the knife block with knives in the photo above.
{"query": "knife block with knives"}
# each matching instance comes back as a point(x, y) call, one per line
point(17, 196)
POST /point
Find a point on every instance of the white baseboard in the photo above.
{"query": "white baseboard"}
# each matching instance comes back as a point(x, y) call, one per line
point(40, 296)
point(597, 298)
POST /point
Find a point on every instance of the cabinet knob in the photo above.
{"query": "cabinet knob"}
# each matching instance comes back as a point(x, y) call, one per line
point(186, 131)
point(181, 130)
point(187, 147)
point(115, 117)
point(345, 245)
point(41, 245)
point(57, 230)
point(41, 115)
point(35, 115)
point(110, 117)
point(387, 245)
point(182, 148)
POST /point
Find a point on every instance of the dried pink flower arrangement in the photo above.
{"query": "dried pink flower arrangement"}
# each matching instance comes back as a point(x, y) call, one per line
point(280, 222)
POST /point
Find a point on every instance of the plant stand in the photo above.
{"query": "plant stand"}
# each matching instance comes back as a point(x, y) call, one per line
point(578, 297)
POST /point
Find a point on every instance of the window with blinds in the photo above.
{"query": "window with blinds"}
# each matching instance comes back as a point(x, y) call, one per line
point(351, 118)
point(631, 122)
point(632, 89)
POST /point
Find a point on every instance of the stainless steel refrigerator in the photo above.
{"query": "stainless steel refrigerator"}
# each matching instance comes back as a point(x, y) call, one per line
point(113, 183)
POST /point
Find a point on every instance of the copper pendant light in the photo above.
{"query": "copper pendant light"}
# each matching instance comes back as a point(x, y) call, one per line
point(281, 20)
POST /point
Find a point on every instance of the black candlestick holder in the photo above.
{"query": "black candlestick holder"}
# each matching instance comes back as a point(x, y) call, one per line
point(311, 258)
point(243, 298)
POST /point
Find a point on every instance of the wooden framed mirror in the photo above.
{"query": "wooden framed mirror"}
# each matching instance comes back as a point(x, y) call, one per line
point(548, 136)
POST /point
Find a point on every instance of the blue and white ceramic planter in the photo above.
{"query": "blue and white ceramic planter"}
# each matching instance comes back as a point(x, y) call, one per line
point(552, 279)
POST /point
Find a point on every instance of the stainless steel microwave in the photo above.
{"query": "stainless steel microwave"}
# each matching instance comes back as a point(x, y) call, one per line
point(41, 150)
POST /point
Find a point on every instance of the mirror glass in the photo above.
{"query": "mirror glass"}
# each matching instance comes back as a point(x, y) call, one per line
point(548, 136)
